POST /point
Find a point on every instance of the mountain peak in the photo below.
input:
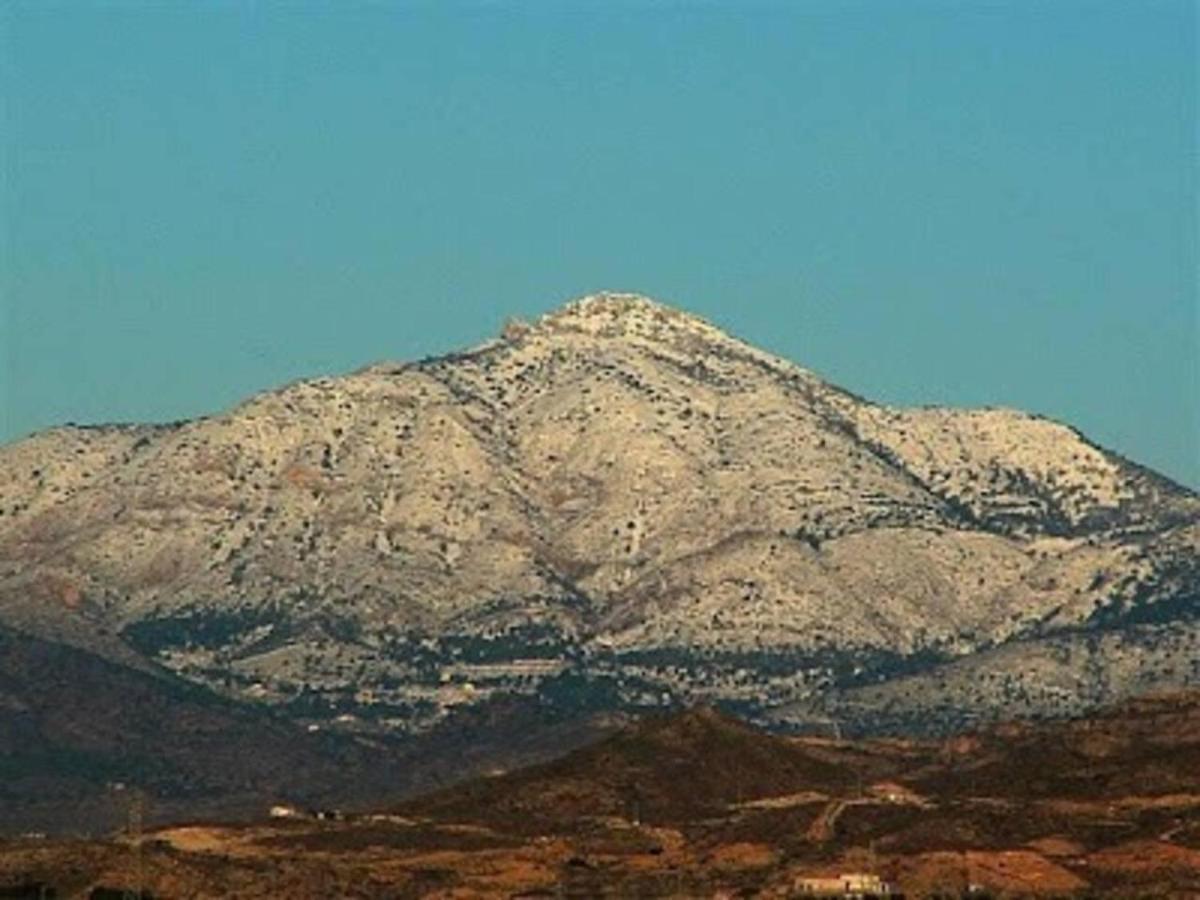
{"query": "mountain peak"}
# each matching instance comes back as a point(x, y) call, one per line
point(615, 314)
point(613, 305)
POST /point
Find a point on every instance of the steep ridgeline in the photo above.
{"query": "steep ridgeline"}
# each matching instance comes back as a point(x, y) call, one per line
point(617, 505)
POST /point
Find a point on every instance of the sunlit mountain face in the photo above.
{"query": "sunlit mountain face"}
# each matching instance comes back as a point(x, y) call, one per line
point(614, 509)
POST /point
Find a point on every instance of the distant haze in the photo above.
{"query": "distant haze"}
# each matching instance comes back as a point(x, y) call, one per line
point(968, 204)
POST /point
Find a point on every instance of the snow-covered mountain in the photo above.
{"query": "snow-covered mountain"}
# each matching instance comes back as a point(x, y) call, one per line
point(617, 505)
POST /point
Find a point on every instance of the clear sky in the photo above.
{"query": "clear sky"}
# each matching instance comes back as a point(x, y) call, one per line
point(967, 203)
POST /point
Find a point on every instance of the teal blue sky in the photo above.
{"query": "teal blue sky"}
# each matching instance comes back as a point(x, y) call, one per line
point(966, 203)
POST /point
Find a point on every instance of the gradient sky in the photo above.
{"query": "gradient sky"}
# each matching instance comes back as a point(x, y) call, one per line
point(966, 203)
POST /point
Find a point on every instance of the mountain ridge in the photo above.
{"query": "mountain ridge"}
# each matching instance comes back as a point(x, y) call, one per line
point(617, 499)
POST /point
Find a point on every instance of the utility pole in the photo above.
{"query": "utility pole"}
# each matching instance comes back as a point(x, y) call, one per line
point(136, 821)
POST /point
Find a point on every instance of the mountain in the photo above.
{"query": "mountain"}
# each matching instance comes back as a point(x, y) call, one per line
point(615, 507)
point(698, 804)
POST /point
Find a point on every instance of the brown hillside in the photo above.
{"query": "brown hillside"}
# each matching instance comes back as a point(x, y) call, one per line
point(721, 809)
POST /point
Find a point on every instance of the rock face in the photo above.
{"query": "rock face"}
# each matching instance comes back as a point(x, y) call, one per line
point(617, 505)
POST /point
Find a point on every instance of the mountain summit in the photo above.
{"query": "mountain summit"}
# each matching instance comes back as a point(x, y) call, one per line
point(617, 505)
point(637, 319)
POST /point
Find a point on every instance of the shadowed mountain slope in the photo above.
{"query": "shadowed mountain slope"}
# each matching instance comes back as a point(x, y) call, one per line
point(77, 731)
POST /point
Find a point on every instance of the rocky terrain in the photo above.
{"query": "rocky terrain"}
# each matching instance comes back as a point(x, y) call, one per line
point(697, 804)
point(616, 507)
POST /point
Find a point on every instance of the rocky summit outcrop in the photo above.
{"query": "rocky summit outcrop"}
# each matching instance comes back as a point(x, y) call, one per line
point(617, 505)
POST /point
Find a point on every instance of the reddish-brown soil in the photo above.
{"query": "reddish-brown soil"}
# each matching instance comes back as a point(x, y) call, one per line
point(700, 805)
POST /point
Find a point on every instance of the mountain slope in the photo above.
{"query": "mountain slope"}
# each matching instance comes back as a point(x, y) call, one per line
point(698, 805)
point(663, 769)
point(77, 732)
point(617, 505)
